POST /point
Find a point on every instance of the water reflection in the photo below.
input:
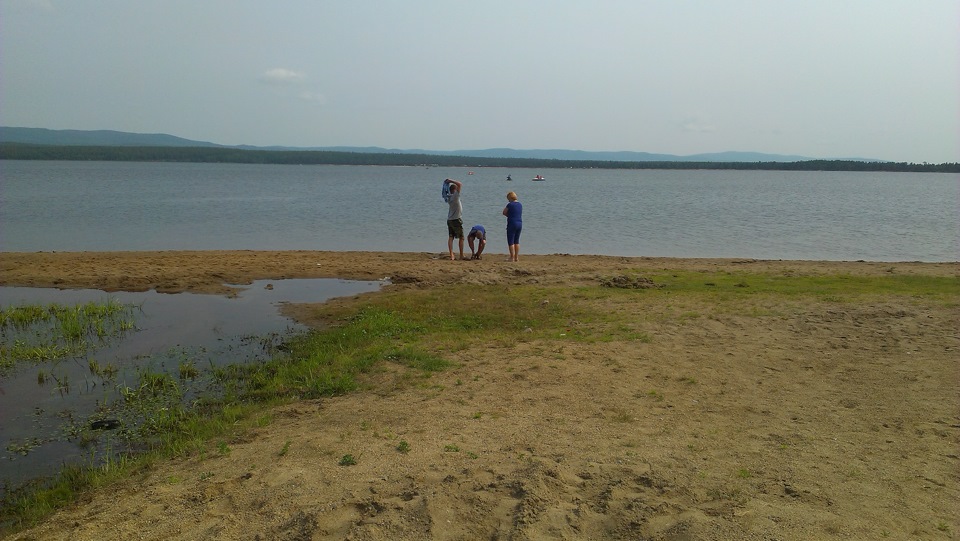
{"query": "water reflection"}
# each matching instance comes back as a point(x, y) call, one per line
point(38, 418)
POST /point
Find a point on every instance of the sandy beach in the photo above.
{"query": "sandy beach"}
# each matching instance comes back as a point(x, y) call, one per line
point(805, 420)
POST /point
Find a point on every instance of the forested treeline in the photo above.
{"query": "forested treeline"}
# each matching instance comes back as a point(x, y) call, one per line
point(19, 151)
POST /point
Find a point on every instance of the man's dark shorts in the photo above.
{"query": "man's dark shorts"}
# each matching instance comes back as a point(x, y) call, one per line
point(455, 228)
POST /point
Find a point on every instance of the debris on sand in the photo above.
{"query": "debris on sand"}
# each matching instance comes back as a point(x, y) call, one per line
point(626, 282)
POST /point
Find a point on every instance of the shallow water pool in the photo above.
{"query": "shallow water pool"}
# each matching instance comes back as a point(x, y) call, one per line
point(42, 405)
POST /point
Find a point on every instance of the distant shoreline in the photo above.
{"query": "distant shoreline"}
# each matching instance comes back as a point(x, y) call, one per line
point(24, 151)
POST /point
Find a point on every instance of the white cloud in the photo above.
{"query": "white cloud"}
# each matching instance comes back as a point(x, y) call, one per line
point(312, 96)
point(286, 82)
point(697, 125)
point(282, 76)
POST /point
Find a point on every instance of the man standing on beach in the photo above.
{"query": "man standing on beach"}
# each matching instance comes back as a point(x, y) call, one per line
point(454, 216)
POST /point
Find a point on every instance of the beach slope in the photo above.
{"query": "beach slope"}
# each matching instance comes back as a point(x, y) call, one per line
point(789, 417)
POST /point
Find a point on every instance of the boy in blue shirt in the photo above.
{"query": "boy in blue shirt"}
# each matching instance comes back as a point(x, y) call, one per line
point(478, 233)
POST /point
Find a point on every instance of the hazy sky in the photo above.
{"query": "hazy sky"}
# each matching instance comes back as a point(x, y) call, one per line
point(818, 78)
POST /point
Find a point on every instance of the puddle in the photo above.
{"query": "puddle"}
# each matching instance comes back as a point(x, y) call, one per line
point(36, 417)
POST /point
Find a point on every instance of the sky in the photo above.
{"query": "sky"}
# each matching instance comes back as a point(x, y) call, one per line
point(816, 78)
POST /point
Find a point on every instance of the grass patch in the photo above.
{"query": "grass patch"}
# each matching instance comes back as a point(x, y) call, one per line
point(831, 287)
point(687, 297)
point(45, 333)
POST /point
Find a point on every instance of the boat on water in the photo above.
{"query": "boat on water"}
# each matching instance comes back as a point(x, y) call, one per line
point(509, 177)
point(538, 177)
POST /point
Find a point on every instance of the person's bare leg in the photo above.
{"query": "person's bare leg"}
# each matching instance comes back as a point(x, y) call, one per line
point(473, 255)
point(461, 247)
point(450, 247)
point(516, 252)
point(481, 245)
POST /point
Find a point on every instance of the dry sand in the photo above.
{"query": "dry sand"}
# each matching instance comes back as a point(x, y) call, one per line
point(827, 420)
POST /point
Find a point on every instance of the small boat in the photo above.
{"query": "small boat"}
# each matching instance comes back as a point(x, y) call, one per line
point(539, 177)
point(509, 177)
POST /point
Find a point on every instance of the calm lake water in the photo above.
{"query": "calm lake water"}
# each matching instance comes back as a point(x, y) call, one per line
point(71, 206)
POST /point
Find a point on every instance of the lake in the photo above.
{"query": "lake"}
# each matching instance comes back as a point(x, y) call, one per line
point(87, 206)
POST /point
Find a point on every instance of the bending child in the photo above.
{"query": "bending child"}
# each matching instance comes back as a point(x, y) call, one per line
point(479, 234)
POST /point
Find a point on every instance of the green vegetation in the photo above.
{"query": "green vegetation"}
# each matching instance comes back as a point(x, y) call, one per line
point(22, 151)
point(418, 329)
point(36, 333)
point(829, 287)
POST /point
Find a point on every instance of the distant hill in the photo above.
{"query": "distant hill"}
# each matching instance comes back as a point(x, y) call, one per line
point(105, 145)
point(583, 155)
point(42, 136)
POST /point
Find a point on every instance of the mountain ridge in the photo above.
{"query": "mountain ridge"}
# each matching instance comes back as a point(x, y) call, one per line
point(45, 136)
